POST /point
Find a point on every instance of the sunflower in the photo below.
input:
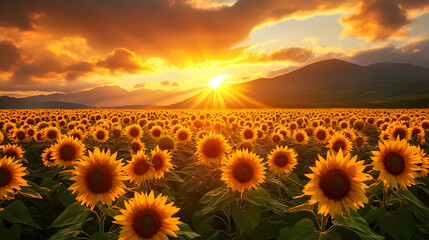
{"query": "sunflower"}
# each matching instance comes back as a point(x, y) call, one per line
point(321, 134)
point(243, 170)
point(134, 131)
point(140, 169)
point(360, 141)
point(418, 133)
point(156, 132)
point(248, 134)
point(300, 136)
point(397, 163)
point(100, 134)
point(116, 132)
point(183, 135)
point(339, 141)
point(400, 131)
point(51, 133)
point(166, 143)
point(260, 134)
point(136, 146)
point(424, 165)
point(19, 135)
point(160, 159)
point(336, 184)
point(98, 178)
point(12, 151)
point(201, 134)
point(147, 217)
point(67, 151)
point(1, 137)
point(212, 149)
point(31, 131)
point(384, 136)
point(245, 145)
point(47, 157)
point(282, 160)
point(11, 173)
point(276, 137)
point(349, 133)
point(77, 134)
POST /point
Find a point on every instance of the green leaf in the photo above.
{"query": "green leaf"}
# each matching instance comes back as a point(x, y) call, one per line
point(216, 200)
point(73, 214)
point(28, 192)
point(186, 232)
point(262, 198)
point(303, 230)
point(70, 232)
point(171, 176)
point(17, 212)
point(301, 208)
point(419, 209)
point(246, 219)
point(354, 222)
point(398, 224)
point(284, 233)
point(109, 211)
point(65, 196)
point(100, 236)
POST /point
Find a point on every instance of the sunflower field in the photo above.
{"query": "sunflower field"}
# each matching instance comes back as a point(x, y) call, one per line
point(215, 174)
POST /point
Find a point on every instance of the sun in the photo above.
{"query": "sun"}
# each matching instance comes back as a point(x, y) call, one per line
point(217, 81)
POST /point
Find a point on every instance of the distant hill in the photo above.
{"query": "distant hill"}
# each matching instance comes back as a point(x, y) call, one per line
point(19, 103)
point(113, 96)
point(328, 83)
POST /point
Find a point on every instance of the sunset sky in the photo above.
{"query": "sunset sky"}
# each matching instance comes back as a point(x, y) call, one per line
point(179, 45)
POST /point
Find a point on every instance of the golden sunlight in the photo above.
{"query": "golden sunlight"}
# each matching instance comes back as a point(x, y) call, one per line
point(217, 81)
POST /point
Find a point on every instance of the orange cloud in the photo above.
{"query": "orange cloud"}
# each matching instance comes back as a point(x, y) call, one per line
point(10, 55)
point(166, 83)
point(124, 60)
point(290, 54)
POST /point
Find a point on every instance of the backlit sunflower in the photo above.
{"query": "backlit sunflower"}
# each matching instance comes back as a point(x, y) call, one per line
point(212, 149)
point(147, 217)
point(397, 163)
point(140, 169)
point(77, 134)
point(134, 131)
point(100, 134)
point(248, 134)
point(339, 141)
point(98, 177)
point(300, 136)
point(116, 132)
point(276, 137)
point(47, 157)
point(156, 132)
point(160, 159)
point(282, 160)
point(11, 173)
point(336, 184)
point(19, 135)
point(51, 133)
point(400, 131)
point(424, 165)
point(245, 146)
point(137, 145)
point(183, 135)
point(67, 151)
point(12, 151)
point(360, 141)
point(243, 170)
point(321, 134)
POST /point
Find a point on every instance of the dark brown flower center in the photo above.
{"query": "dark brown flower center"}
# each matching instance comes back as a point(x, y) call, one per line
point(99, 179)
point(182, 135)
point(399, 132)
point(134, 132)
point(5, 176)
point(156, 132)
point(248, 134)
point(276, 139)
point(212, 148)
point(242, 172)
point(394, 163)
point(147, 223)
point(100, 135)
point(157, 162)
point(12, 153)
point(338, 144)
point(359, 141)
point(116, 133)
point(335, 184)
point(52, 134)
point(20, 135)
point(321, 135)
point(68, 152)
point(135, 147)
point(299, 137)
point(49, 157)
point(281, 160)
point(141, 167)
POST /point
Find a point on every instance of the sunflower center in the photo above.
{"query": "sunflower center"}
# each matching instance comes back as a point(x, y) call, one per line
point(20, 136)
point(338, 145)
point(100, 135)
point(52, 134)
point(276, 139)
point(49, 157)
point(359, 141)
point(30, 132)
point(5, 177)
point(116, 133)
point(99, 179)
point(166, 143)
point(242, 172)
point(321, 135)
point(335, 184)
point(394, 163)
point(147, 223)
point(281, 160)
point(156, 133)
point(415, 131)
point(157, 162)
point(212, 148)
point(399, 132)
point(182, 135)
point(11, 153)
point(141, 167)
point(134, 132)
point(248, 134)
point(68, 152)
point(299, 138)
point(135, 147)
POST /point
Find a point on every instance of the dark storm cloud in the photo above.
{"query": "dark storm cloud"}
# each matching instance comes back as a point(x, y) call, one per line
point(10, 55)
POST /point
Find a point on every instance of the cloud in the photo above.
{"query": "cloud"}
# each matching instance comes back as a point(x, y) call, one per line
point(380, 19)
point(124, 60)
point(290, 54)
point(166, 83)
point(140, 85)
point(10, 55)
point(175, 84)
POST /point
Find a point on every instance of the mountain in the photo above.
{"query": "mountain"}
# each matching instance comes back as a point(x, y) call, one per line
point(19, 103)
point(114, 96)
point(328, 83)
